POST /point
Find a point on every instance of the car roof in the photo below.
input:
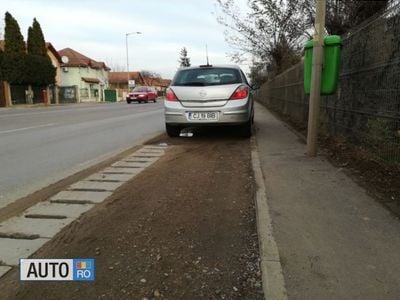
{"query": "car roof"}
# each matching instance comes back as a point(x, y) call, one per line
point(210, 66)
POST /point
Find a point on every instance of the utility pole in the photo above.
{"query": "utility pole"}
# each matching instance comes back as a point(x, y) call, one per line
point(127, 51)
point(315, 93)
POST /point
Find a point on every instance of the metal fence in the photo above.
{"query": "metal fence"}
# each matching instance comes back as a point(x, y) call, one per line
point(366, 108)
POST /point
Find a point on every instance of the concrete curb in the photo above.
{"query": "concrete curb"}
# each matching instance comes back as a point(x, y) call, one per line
point(271, 269)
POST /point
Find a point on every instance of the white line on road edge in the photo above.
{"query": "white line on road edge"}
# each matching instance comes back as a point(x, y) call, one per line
point(271, 269)
point(27, 128)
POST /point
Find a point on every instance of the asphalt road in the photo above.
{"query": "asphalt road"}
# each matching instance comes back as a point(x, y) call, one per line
point(39, 146)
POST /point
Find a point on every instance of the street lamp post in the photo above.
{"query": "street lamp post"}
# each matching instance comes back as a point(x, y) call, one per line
point(127, 51)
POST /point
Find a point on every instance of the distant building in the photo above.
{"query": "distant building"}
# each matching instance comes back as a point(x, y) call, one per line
point(56, 61)
point(119, 81)
point(158, 83)
point(86, 76)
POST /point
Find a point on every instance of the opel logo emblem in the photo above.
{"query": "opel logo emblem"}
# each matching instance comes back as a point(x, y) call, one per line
point(203, 93)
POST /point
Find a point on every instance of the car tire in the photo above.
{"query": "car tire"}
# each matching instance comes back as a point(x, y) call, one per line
point(172, 131)
point(246, 129)
point(128, 101)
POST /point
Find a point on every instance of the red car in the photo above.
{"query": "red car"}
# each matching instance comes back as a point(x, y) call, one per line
point(142, 94)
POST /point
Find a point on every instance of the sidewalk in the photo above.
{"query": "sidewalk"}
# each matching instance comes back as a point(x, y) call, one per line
point(335, 241)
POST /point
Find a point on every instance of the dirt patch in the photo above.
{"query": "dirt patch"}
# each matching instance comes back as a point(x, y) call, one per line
point(183, 229)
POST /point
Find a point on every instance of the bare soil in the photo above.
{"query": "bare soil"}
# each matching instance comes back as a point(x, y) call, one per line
point(183, 229)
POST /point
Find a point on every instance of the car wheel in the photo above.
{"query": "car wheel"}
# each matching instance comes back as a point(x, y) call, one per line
point(245, 130)
point(172, 131)
point(128, 101)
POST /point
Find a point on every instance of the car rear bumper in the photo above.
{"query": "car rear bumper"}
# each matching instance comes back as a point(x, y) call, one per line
point(132, 98)
point(234, 112)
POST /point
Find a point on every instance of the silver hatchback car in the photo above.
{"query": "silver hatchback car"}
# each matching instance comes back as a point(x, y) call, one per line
point(209, 95)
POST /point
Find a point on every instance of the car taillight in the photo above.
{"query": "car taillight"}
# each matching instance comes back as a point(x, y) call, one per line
point(240, 93)
point(170, 95)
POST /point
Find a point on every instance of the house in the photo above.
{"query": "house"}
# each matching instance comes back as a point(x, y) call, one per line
point(119, 81)
point(16, 94)
point(82, 77)
point(159, 84)
point(56, 61)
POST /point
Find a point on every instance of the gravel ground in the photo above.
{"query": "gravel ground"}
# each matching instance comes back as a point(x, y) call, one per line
point(183, 229)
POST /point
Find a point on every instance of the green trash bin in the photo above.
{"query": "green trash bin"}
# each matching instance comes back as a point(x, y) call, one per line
point(330, 68)
point(110, 95)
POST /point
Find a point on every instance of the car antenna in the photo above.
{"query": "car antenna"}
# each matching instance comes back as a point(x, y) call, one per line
point(207, 55)
point(208, 64)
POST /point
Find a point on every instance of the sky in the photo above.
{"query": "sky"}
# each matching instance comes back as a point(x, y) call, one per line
point(98, 30)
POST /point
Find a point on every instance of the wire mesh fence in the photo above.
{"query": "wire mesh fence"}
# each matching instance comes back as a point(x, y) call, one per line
point(366, 108)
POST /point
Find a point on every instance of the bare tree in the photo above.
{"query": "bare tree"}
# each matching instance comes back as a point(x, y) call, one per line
point(342, 15)
point(271, 31)
point(150, 74)
point(274, 31)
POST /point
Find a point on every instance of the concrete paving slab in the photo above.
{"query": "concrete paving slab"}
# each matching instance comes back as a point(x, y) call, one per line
point(92, 185)
point(11, 250)
point(125, 164)
point(149, 150)
point(134, 158)
point(165, 145)
point(45, 228)
point(94, 197)
point(116, 170)
point(136, 163)
point(4, 270)
point(144, 155)
point(58, 209)
point(111, 177)
point(148, 154)
point(157, 148)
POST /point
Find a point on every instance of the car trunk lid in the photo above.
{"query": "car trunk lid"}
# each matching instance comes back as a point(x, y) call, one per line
point(204, 96)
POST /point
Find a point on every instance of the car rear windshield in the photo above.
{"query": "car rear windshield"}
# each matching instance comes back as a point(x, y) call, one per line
point(206, 77)
point(140, 89)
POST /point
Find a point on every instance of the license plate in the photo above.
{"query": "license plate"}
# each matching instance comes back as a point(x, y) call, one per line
point(203, 116)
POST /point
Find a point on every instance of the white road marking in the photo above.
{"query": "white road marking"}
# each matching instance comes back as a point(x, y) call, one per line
point(27, 128)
